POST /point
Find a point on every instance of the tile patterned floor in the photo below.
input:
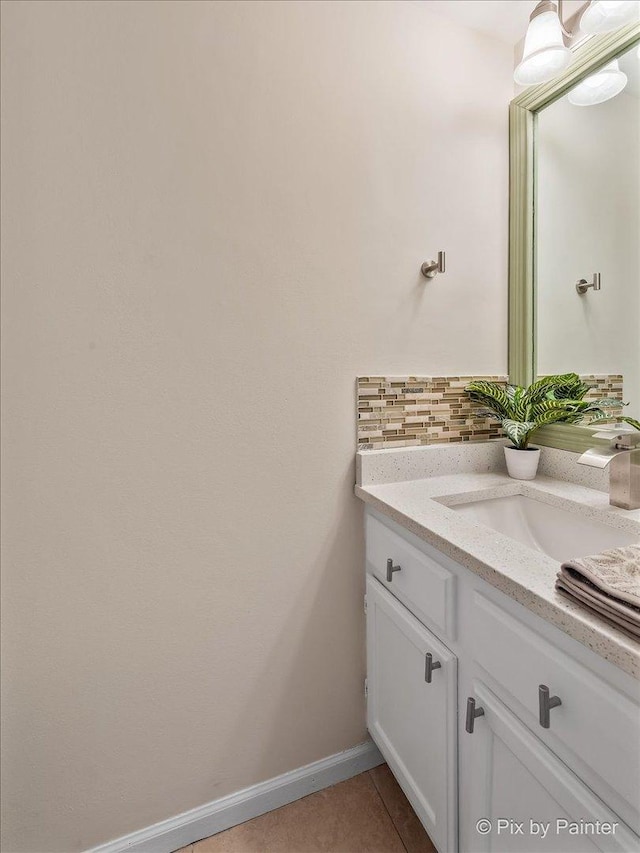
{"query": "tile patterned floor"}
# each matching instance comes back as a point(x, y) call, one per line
point(366, 814)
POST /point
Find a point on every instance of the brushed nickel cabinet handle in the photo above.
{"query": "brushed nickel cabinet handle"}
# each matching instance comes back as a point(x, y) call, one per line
point(472, 713)
point(547, 702)
point(429, 665)
point(391, 569)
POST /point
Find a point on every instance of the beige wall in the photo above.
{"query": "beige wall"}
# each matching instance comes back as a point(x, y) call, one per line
point(215, 215)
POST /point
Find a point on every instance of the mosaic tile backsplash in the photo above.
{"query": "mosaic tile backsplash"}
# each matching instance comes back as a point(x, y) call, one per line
point(605, 385)
point(408, 411)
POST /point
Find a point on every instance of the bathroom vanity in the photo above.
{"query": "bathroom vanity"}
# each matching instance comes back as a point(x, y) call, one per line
point(509, 715)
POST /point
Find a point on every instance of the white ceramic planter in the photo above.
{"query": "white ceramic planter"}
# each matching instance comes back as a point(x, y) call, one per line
point(522, 464)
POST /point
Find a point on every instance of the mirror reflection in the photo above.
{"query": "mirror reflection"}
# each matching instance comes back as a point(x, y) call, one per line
point(588, 233)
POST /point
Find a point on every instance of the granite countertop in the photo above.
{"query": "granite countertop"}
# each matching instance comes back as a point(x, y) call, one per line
point(525, 575)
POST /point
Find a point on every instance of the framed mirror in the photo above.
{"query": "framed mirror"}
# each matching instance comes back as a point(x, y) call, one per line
point(574, 228)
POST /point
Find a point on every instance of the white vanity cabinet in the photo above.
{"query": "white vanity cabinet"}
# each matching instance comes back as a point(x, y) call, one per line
point(584, 767)
point(417, 734)
point(529, 798)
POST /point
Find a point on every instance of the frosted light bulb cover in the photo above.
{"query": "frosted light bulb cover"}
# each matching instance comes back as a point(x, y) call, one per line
point(603, 16)
point(599, 87)
point(545, 54)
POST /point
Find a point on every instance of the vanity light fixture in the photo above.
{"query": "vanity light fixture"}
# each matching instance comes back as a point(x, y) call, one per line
point(602, 16)
point(599, 87)
point(545, 53)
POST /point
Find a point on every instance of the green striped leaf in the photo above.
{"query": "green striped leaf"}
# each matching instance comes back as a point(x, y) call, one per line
point(561, 386)
point(518, 432)
point(490, 395)
point(603, 417)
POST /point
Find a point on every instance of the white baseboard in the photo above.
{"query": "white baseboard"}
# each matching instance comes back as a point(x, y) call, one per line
point(185, 828)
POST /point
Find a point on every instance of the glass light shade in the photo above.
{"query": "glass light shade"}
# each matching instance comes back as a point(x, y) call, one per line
point(602, 16)
point(599, 87)
point(545, 54)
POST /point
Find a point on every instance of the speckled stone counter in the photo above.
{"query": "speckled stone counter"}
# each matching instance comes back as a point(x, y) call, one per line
point(528, 576)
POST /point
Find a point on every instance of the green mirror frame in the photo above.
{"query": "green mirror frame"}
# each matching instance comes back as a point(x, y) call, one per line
point(594, 53)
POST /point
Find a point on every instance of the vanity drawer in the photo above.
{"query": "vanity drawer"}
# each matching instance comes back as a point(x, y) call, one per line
point(596, 727)
point(421, 583)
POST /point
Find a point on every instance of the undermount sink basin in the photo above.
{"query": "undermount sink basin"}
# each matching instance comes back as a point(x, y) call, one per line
point(554, 531)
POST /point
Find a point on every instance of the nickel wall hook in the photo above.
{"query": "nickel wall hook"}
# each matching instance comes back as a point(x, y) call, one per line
point(430, 268)
point(583, 285)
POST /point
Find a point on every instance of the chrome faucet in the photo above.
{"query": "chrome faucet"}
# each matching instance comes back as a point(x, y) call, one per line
point(623, 455)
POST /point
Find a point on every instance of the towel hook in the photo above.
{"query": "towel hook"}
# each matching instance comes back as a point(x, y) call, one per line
point(430, 268)
point(583, 285)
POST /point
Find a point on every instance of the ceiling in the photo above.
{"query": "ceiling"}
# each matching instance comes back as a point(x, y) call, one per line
point(506, 20)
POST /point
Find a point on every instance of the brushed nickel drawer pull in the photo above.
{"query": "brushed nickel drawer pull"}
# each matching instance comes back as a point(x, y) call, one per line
point(391, 569)
point(429, 665)
point(472, 713)
point(547, 702)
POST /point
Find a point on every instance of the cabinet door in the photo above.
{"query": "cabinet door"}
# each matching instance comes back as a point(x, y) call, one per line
point(412, 719)
point(515, 779)
point(596, 729)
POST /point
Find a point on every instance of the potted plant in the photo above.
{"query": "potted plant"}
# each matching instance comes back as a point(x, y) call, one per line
point(521, 411)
